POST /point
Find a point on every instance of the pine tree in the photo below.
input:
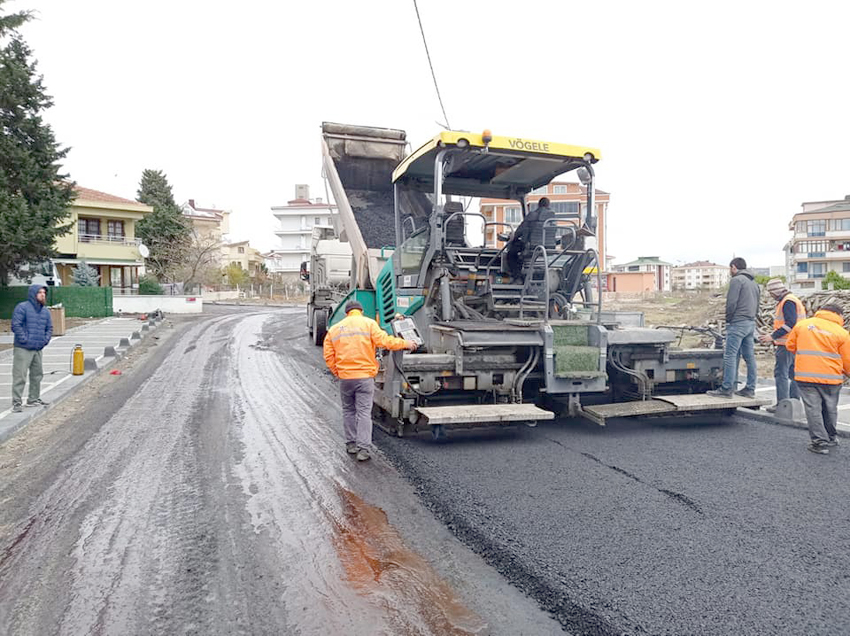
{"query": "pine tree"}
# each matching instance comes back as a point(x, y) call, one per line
point(34, 196)
point(85, 275)
point(164, 231)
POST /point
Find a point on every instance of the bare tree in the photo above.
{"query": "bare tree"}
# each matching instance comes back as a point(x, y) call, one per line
point(202, 264)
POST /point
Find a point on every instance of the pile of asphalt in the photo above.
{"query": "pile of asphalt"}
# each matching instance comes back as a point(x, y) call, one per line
point(696, 527)
point(375, 215)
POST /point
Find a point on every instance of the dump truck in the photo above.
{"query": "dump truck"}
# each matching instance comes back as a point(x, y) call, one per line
point(510, 333)
point(328, 275)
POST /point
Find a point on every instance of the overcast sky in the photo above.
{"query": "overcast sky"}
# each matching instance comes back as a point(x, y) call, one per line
point(715, 120)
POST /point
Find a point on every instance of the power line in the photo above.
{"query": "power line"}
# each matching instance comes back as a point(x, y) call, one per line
point(428, 54)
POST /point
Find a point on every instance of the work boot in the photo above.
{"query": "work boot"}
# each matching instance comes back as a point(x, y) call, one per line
point(833, 441)
point(351, 448)
point(363, 455)
point(818, 447)
point(719, 393)
point(770, 409)
point(37, 402)
point(747, 393)
point(17, 408)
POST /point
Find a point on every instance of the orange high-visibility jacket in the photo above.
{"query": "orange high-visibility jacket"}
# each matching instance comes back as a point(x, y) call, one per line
point(350, 346)
point(779, 318)
point(822, 346)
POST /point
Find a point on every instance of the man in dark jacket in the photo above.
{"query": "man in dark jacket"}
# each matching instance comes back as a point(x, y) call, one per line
point(742, 302)
point(33, 328)
point(529, 234)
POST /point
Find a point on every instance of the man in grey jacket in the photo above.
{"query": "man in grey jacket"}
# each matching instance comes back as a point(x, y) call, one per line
point(742, 302)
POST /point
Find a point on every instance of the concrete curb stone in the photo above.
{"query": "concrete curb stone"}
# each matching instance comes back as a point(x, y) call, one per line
point(20, 420)
point(843, 430)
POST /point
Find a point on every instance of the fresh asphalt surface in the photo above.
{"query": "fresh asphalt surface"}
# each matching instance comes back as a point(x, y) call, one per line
point(696, 526)
point(216, 498)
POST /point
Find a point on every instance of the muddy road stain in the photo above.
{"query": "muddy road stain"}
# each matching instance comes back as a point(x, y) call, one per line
point(380, 567)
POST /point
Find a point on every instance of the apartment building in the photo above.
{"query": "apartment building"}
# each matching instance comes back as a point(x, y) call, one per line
point(295, 222)
point(207, 222)
point(661, 270)
point(820, 243)
point(104, 236)
point(241, 253)
point(566, 198)
point(699, 275)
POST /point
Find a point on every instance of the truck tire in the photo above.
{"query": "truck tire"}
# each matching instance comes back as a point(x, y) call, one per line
point(320, 326)
point(310, 317)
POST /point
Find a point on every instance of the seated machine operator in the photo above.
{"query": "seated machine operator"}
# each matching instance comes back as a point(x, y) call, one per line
point(528, 235)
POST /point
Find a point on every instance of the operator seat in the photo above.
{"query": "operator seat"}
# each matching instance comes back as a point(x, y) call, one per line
point(454, 230)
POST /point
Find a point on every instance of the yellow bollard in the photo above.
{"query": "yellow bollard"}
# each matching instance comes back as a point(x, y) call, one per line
point(77, 360)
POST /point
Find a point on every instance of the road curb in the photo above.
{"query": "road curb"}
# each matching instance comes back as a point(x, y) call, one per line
point(768, 418)
point(10, 429)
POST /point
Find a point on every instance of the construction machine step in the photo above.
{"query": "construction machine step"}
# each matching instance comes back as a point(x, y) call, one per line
point(669, 405)
point(515, 297)
point(527, 306)
point(483, 414)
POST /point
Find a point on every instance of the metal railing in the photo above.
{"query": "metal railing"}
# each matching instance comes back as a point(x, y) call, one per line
point(108, 239)
point(451, 218)
point(530, 276)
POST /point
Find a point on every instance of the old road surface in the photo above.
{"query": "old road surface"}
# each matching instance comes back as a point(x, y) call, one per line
point(206, 491)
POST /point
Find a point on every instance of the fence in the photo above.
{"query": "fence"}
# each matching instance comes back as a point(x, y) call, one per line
point(79, 302)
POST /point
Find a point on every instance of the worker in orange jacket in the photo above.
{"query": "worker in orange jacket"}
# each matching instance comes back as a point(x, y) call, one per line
point(349, 351)
point(822, 349)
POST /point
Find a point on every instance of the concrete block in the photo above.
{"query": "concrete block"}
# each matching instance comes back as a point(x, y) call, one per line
point(152, 323)
point(136, 336)
point(145, 328)
point(109, 352)
point(90, 364)
point(125, 342)
point(790, 410)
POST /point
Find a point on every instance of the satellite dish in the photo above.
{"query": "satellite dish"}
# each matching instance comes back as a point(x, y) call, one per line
point(143, 250)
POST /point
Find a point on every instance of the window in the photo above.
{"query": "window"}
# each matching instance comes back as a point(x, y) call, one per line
point(812, 248)
point(115, 231)
point(241, 250)
point(512, 215)
point(838, 225)
point(88, 229)
point(565, 207)
point(413, 250)
point(802, 268)
point(317, 220)
point(559, 189)
point(845, 267)
point(817, 270)
point(816, 228)
point(801, 227)
point(540, 190)
point(634, 268)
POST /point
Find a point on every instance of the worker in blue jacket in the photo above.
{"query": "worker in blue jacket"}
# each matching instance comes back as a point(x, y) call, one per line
point(33, 329)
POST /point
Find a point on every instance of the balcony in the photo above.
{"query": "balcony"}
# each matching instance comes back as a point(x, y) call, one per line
point(295, 231)
point(98, 239)
point(97, 246)
point(836, 255)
